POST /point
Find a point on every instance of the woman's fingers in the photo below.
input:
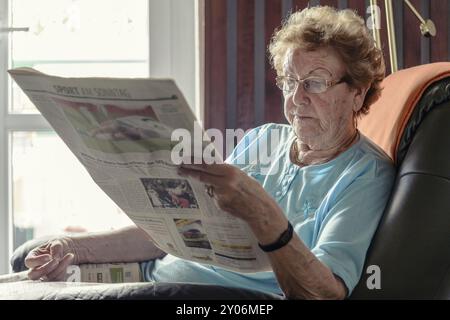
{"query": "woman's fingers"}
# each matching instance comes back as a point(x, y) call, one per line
point(34, 260)
point(44, 253)
point(56, 250)
point(59, 272)
point(43, 270)
point(48, 261)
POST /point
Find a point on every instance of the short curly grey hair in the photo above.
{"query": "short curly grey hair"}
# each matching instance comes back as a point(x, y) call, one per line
point(342, 30)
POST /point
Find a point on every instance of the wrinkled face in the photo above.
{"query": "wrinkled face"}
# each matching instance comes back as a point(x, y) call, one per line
point(320, 120)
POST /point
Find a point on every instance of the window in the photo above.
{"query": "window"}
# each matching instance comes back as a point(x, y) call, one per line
point(47, 190)
point(44, 189)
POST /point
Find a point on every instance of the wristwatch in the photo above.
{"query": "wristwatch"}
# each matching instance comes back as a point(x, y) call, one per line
point(283, 240)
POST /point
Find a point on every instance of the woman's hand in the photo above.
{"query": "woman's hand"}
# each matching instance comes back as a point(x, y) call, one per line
point(50, 260)
point(241, 196)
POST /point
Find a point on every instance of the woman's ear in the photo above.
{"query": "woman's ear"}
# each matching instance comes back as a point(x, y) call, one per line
point(358, 99)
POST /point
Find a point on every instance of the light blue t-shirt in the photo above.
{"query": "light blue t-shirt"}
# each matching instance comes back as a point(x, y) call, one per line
point(334, 207)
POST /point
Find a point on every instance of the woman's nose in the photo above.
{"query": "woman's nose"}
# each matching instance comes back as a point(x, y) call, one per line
point(300, 96)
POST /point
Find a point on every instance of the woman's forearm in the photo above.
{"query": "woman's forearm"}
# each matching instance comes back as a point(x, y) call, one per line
point(300, 274)
point(129, 244)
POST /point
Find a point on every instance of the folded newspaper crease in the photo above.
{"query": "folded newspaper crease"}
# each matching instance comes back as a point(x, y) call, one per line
point(120, 130)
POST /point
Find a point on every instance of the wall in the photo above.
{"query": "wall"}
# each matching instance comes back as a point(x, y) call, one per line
point(173, 44)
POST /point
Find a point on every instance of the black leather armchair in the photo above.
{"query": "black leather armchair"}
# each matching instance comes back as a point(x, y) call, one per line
point(411, 245)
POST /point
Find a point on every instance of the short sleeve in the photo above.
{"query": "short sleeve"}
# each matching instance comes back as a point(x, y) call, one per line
point(348, 227)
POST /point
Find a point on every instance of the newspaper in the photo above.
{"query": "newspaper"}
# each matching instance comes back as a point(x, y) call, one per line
point(104, 273)
point(121, 130)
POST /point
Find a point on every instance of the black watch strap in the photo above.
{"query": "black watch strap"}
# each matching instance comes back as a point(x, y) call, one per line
point(283, 240)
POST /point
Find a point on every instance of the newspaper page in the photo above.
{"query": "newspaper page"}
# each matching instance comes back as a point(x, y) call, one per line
point(121, 131)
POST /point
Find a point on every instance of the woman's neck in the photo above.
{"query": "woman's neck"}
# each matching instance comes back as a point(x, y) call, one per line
point(303, 155)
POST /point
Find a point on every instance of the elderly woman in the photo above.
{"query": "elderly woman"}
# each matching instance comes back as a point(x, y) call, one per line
point(315, 210)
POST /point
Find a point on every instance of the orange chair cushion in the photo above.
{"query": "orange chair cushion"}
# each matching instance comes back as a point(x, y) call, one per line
point(402, 90)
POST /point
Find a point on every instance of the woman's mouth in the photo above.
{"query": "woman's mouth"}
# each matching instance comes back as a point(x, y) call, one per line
point(301, 118)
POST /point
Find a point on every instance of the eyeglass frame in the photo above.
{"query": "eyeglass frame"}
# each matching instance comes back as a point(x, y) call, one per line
point(328, 83)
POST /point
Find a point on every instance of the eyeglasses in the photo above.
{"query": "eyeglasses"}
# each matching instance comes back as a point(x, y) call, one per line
point(311, 84)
